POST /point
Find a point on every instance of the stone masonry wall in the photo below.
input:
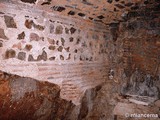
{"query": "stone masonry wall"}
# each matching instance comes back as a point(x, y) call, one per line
point(141, 40)
point(136, 42)
point(48, 47)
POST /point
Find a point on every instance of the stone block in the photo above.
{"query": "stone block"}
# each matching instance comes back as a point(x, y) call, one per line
point(21, 55)
point(28, 47)
point(10, 23)
point(10, 54)
point(2, 34)
point(34, 37)
point(72, 30)
point(21, 36)
point(59, 29)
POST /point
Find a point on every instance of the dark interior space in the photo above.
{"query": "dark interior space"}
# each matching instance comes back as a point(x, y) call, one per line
point(79, 59)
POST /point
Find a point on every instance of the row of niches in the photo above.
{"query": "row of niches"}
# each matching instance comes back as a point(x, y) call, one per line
point(49, 27)
point(52, 40)
point(51, 49)
point(58, 28)
point(23, 56)
point(41, 48)
point(38, 50)
point(53, 29)
point(10, 22)
point(58, 43)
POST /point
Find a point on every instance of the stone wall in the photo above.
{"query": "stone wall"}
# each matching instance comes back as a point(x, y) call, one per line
point(79, 55)
point(49, 47)
point(135, 43)
point(141, 42)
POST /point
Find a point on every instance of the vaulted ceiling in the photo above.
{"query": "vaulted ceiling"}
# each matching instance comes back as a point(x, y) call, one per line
point(104, 11)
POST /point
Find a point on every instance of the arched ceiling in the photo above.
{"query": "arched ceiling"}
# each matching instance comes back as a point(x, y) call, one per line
point(104, 11)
